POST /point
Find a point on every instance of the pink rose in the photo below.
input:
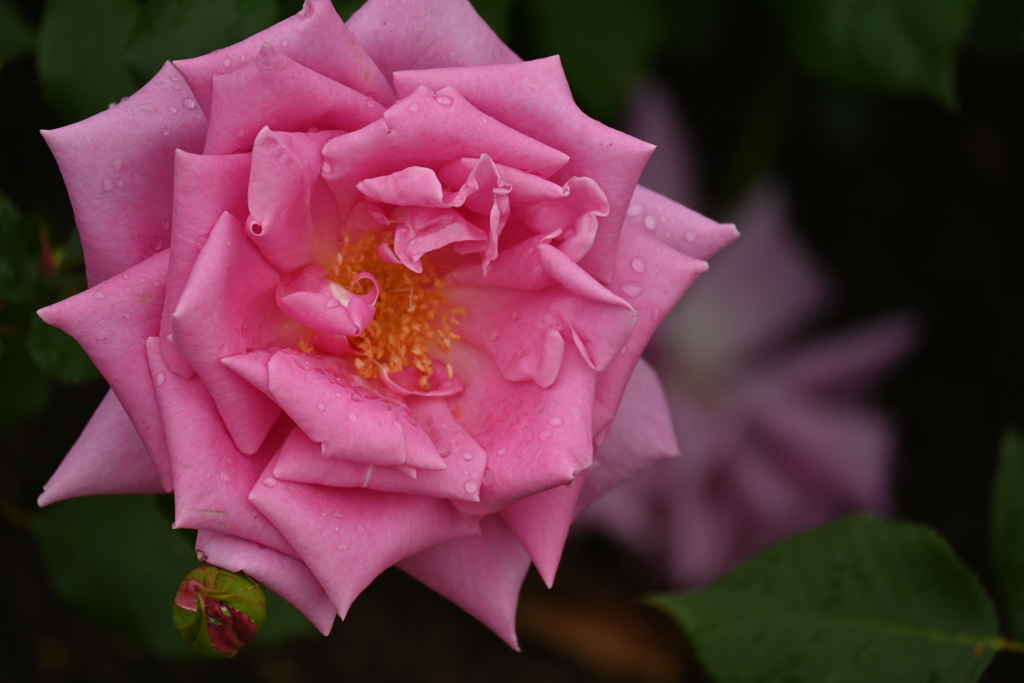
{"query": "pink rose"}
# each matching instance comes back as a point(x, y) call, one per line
point(367, 295)
point(776, 436)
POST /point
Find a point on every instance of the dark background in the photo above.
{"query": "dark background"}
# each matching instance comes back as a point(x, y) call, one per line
point(909, 204)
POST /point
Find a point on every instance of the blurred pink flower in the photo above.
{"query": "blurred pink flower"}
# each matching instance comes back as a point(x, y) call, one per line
point(367, 295)
point(776, 435)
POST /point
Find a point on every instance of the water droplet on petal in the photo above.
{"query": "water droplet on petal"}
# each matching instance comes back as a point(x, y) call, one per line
point(635, 209)
point(323, 513)
point(690, 236)
point(444, 100)
point(226, 62)
point(338, 515)
point(320, 407)
point(545, 435)
point(224, 476)
point(173, 110)
point(470, 486)
point(284, 43)
point(414, 107)
point(638, 264)
point(108, 184)
point(502, 451)
point(352, 417)
point(99, 295)
point(467, 456)
point(633, 289)
point(120, 183)
point(270, 482)
point(650, 222)
point(160, 379)
point(117, 164)
point(556, 422)
point(188, 103)
point(494, 336)
point(177, 87)
point(127, 315)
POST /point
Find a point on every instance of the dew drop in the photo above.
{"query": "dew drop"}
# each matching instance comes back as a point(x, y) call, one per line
point(337, 529)
point(494, 336)
point(635, 209)
point(323, 513)
point(338, 515)
point(127, 315)
point(502, 451)
point(175, 79)
point(556, 422)
point(166, 132)
point(224, 476)
point(108, 184)
point(120, 183)
point(188, 103)
point(173, 110)
point(690, 236)
point(99, 295)
point(545, 435)
point(414, 107)
point(148, 108)
point(320, 407)
point(342, 547)
point(177, 87)
point(226, 62)
point(650, 222)
point(352, 417)
point(633, 289)
point(117, 164)
point(470, 486)
point(313, 130)
point(638, 264)
point(160, 379)
point(444, 100)
point(284, 43)
point(270, 482)
point(126, 276)
point(467, 456)
point(443, 451)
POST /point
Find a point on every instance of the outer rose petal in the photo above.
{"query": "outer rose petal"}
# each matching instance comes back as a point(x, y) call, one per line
point(204, 188)
point(227, 308)
point(284, 575)
point(481, 574)
point(133, 301)
point(425, 34)
point(541, 523)
point(640, 436)
point(119, 168)
point(315, 38)
point(281, 95)
point(349, 536)
point(534, 99)
point(108, 457)
point(211, 477)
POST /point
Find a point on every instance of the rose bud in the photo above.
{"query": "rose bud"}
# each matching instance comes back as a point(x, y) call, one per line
point(218, 612)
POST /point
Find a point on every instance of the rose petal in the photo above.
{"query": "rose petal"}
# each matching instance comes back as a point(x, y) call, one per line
point(320, 304)
point(112, 322)
point(481, 574)
point(541, 523)
point(534, 98)
point(108, 457)
point(284, 96)
point(301, 460)
point(212, 478)
point(284, 575)
point(204, 188)
point(294, 217)
point(315, 37)
point(227, 308)
point(422, 230)
point(535, 438)
point(348, 536)
point(641, 435)
point(119, 170)
point(323, 396)
point(422, 35)
point(429, 127)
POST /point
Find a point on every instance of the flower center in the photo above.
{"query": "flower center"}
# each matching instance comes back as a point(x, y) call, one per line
point(412, 313)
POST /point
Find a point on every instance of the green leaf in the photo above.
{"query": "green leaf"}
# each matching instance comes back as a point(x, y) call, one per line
point(179, 29)
point(603, 48)
point(58, 355)
point(81, 54)
point(23, 388)
point(1008, 529)
point(16, 36)
point(895, 46)
point(496, 13)
point(858, 600)
point(117, 559)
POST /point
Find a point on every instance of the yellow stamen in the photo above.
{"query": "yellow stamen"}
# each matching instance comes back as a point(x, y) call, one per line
point(412, 312)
